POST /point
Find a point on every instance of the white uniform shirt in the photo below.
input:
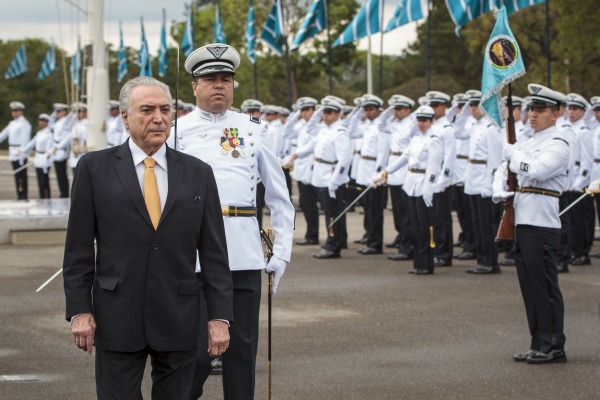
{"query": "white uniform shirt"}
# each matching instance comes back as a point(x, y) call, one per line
point(596, 168)
point(79, 135)
point(540, 162)
point(303, 167)
point(462, 152)
point(42, 142)
point(237, 170)
point(62, 136)
point(423, 156)
point(585, 162)
point(374, 151)
point(485, 155)
point(566, 130)
point(115, 128)
point(276, 142)
point(331, 156)
point(402, 131)
point(443, 129)
point(18, 133)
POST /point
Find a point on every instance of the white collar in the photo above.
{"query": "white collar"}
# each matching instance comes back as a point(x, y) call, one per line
point(138, 155)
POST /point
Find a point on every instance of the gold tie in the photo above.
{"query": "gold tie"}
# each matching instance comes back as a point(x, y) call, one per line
point(151, 195)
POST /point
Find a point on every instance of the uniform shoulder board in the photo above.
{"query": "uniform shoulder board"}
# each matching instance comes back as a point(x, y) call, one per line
point(254, 119)
point(583, 128)
point(448, 126)
point(490, 125)
point(172, 123)
point(561, 139)
point(434, 136)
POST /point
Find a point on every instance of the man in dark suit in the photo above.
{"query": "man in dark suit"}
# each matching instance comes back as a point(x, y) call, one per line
point(151, 210)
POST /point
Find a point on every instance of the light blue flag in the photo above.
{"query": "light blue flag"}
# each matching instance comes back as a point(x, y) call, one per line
point(187, 43)
point(272, 33)
point(144, 59)
point(219, 31)
point(314, 22)
point(76, 67)
point(365, 23)
point(48, 65)
point(407, 11)
point(162, 51)
point(122, 57)
point(502, 64)
point(250, 34)
point(463, 11)
point(18, 65)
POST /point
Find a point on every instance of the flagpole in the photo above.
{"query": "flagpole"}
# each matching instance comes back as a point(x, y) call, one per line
point(329, 60)
point(287, 64)
point(548, 53)
point(428, 47)
point(255, 68)
point(381, 51)
point(369, 67)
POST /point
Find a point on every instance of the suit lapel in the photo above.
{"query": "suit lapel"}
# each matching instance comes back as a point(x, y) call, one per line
point(127, 175)
point(175, 176)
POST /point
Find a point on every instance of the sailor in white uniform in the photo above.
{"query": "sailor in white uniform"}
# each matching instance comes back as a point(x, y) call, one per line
point(235, 146)
point(61, 123)
point(115, 129)
point(42, 143)
point(18, 133)
point(79, 135)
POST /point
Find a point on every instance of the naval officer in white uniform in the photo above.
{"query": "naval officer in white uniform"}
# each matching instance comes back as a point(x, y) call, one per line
point(18, 133)
point(235, 146)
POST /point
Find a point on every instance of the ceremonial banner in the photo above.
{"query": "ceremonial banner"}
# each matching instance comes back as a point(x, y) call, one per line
point(187, 43)
point(162, 51)
point(407, 11)
point(272, 32)
point(365, 23)
point(122, 57)
point(502, 64)
point(218, 27)
point(144, 59)
point(48, 65)
point(76, 67)
point(314, 22)
point(18, 65)
point(250, 34)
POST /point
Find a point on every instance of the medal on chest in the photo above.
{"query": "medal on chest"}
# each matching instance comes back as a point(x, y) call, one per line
point(231, 142)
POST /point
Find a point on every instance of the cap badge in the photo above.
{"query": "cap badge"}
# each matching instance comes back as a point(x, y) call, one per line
point(217, 51)
point(535, 89)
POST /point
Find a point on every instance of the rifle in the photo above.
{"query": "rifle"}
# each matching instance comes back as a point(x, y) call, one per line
point(506, 230)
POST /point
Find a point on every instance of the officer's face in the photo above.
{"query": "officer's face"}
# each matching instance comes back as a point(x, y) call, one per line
point(271, 117)
point(306, 113)
point(330, 116)
point(16, 113)
point(214, 92)
point(114, 112)
point(575, 113)
point(424, 124)
point(542, 118)
point(475, 111)
point(149, 120)
point(439, 110)
point(42, 123)
point(371, 112)
point(60, 114)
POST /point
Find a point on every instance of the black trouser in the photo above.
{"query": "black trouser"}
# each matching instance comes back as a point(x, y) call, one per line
point(421, 224)
point(404, 238)
point(61, 176)
point(43, 179)
point(535, 256)
point(119, 374)
point(260, 202)
point(332, 208)
point(442, 225)
point(20, 179)
point(288, 180)
point(310, 209)
point(486, 219)
point(375, 202)
point(465, 218)
point(565, 248)
point(239, 361)
point(583, 220)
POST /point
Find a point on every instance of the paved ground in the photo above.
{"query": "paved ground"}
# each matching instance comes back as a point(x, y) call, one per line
point(355, 328)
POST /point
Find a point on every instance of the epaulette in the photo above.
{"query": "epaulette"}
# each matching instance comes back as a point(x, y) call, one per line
point(561, 139)
point(448, 126)
point(434, 136)
point(490, 125)
point(583, 128)
point(254, 119)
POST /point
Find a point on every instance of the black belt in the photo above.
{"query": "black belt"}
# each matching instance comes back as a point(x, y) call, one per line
point(596, 160)
point(462, 157)
point(368, 158)
point(40, 152)
point(472, 161)
point(417, 171)
point(319, 160)
point(395, 153)
point(545, 192)
point(357, 152)
point(14, 145)
point(233, 211)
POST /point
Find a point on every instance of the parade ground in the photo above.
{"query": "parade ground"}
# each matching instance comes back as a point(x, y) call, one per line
point(359, 327)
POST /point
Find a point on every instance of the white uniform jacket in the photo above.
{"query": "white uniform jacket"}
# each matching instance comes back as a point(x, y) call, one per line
point(18, 133)
point(276, 142)
point(62, 136)
point(485, 155)
point(596, 167)
point(541, 163)
point(402, 131)
point(585, 162)
point(79, 136)
point(42, 142)
point(374, 151)
point(462, 151)
point(443, 129)
point(424, 157)
point(115, 129)
point(233, 144)
point(566, 130)
point(331, 156)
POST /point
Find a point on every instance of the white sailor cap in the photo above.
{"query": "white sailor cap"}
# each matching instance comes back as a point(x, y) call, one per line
point(398, 100)
point(425, 112)
point(60, 107)
point(79, 106)
point(460, 98)
point(357, 101)
point(251, 104)
point(516, 101)
point(338, 99)
point(270, 109)
point(473, 96)
point(283, 111)
point(327, 103)
point(211, 59)
point(574, 99)
point(113, 104)
point(371, 100)
point(16, 105)
point(595, 102)
point(423, 101)
point(188, 106)
point(303, 102)
point(43, 116)
point(541, 96)
point(180, 104)
point(436, 97)
point(348, 109)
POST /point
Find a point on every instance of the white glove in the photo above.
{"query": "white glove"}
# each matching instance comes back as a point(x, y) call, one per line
point(428, 199)
point(332, 188)
point(485, 193)
point(501, 196)
point(286, 162)
point(578, 185)
point(508, 150)
point(277, 267)
point(593, 187)
point(373, 181)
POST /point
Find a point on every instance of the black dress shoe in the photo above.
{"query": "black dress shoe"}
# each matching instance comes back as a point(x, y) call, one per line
point(441, 262)
point(420, 272)
point(217, 366)
point(399, 257)
point(507, 262)
point(466, 255)
point(307, 242)
point(484, 270)
point(553, 356)
point(522, 357)
point(391, 245)
point(581, 260)
point(361, 241)
point(370, 250)
point(326, 254)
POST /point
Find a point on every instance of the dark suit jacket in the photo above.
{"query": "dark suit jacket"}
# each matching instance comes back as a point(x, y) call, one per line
point(140, 284)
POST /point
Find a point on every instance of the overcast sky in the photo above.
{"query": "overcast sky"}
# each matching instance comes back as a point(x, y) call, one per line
point(59, 21)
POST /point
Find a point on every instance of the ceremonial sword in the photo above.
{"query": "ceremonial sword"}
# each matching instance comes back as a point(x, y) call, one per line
point(268, 242)
point(573, 203)
point(360, 196)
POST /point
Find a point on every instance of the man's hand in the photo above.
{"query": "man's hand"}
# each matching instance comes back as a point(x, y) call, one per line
point(331, 189)
point(277, 267)
point(83, 327)
point(218, 337)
